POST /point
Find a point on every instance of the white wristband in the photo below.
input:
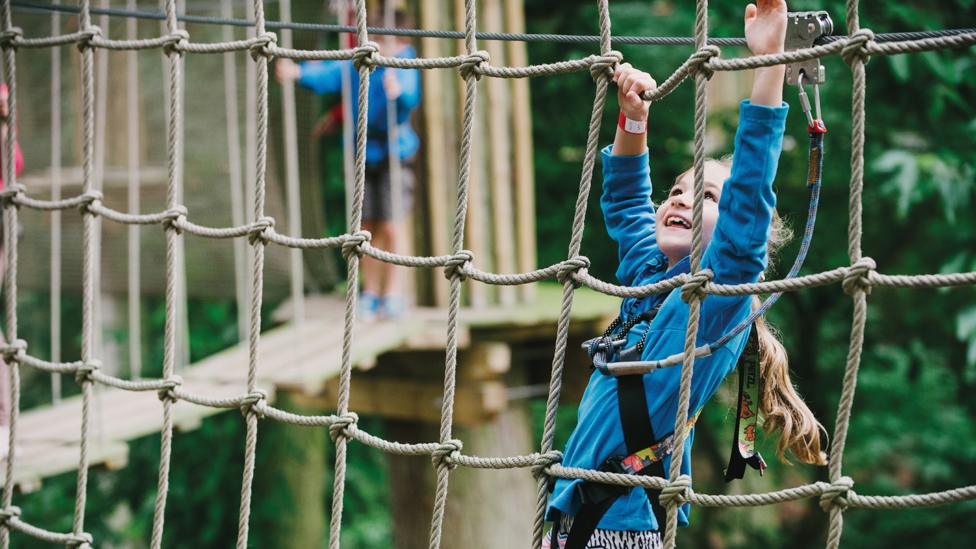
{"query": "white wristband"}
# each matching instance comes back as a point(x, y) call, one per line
point(632, 126)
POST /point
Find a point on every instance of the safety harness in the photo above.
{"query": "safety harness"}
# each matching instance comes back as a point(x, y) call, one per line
point(645, 450)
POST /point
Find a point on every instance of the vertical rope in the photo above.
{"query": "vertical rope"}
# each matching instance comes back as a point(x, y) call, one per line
point(694, 303)
point(293, 193)
point(134, 257)
point(10, 278)
point(454, 301)
point(352, 279)
point(173, 183)
point(348, 162)
point(89, 240)
point(236, 178)
point(575, 243)
point(254, 334)
point(859, 293)
point(55, 215)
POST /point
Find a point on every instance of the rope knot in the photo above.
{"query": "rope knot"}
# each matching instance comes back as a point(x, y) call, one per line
point(10, 194)
point(695, 287)
point(262, 45)
point(570, 267)
point(343, 426)
point(835, 494)
point(446, 454)
point(857, 276)
point(542, 462)
point(677, 491)
point(88, 36)
point(174, 219)
point(10, 38)
point(253, 403)
point(856, 48)
point(261, 230)
point(603, 65)
point(355, 244)
point(83, 540)
point(14, 351)
point(9, 513)
point(363, 56)
point(456, 266)
point(472, 64)
point(700, 60)
point(90, 201)
point(84, 371)
point(175, 42)
point(166, 392)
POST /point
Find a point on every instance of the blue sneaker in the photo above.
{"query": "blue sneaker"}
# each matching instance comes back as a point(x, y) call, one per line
point(392, 307)
point(369, 306)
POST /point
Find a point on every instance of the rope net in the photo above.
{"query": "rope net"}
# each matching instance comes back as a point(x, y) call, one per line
point(857, 279)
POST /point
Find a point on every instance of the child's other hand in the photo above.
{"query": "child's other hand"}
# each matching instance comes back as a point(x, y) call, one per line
point(630, 84)
point(287, 70)
point(766, 26)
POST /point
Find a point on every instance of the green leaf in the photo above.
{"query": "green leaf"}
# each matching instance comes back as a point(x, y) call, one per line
point(899, 67)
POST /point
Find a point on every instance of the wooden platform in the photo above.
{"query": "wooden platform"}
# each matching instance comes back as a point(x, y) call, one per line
point(301, 359)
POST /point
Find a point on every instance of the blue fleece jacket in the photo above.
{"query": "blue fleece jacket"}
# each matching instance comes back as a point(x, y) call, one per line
point(325, 77)
point(736, 254)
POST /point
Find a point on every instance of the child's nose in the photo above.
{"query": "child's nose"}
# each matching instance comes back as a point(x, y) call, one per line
point(681, 200)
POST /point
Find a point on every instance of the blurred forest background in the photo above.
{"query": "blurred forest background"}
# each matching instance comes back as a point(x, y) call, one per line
point(912, 429)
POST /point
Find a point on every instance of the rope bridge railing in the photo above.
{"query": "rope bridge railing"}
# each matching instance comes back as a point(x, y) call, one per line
point(857, 279)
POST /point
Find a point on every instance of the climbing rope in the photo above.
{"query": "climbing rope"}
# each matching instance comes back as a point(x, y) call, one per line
point(856, 279)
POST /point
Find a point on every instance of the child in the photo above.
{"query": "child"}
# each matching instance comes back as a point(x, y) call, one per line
point(381, 289)
point(653, 246)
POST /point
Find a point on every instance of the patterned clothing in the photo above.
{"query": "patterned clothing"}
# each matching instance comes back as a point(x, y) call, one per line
point(607, 539)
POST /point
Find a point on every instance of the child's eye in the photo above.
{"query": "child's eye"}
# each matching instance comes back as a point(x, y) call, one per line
point(674, 192)
point(709, 195)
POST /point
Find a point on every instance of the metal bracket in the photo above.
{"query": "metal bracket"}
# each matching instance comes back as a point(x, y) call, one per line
point(803, 29)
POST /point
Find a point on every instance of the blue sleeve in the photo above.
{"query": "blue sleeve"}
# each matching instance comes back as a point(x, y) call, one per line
point(737, 251)
point(628, 211)
point(409, 92)
point(323, 77)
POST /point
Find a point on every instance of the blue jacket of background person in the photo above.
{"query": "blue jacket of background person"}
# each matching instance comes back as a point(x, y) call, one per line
point(325, 77)
point(736, 254)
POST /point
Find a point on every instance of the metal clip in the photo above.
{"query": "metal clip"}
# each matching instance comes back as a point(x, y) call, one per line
point(814, 123)
point(803, 29)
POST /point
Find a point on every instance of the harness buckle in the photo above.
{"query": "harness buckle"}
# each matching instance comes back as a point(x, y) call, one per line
point(803, 29)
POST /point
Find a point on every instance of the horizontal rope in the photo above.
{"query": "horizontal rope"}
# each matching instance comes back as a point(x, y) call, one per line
point(453, 35)
point(264, 229)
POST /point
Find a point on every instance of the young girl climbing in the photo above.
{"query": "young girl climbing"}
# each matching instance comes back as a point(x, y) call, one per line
point(738, 231)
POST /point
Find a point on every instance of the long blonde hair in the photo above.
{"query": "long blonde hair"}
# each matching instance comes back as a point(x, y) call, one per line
point(781, 406)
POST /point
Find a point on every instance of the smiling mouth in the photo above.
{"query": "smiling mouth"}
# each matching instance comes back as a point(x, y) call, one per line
point(676, 222)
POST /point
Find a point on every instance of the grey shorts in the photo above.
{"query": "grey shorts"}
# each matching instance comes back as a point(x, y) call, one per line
point(378, 197)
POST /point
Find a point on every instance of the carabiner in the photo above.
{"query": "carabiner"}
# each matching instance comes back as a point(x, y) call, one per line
point(814, 124)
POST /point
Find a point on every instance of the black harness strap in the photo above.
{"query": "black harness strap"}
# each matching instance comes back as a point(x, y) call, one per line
point(638, 434)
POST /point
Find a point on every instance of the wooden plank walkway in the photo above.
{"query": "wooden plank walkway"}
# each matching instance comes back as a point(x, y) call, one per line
point(300, 357)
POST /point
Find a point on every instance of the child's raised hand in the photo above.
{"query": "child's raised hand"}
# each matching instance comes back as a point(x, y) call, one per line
point(766, 26)
point(631, 83)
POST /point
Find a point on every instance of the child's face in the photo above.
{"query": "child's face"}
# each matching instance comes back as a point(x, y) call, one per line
point(674, 215)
